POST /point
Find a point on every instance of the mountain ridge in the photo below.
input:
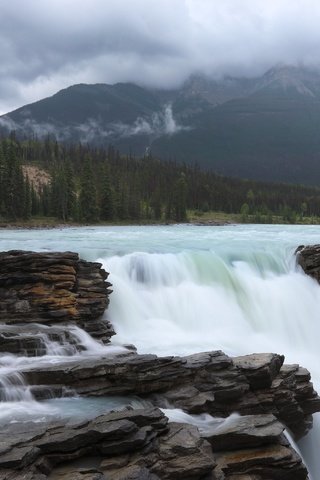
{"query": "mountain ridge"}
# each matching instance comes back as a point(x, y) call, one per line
point(262, 127)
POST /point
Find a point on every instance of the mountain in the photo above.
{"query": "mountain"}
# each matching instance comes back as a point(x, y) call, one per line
point(262, 128)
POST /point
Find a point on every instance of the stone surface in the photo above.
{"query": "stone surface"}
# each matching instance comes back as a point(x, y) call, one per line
point(203, 383)
point(245, 432)
point(52, 288)
point(141, 444)
point(273, 462)
point(308, 257)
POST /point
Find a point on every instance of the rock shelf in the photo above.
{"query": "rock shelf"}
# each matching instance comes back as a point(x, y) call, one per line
point(51, 288)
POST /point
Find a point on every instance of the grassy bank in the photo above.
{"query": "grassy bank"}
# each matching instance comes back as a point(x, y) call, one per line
point(194, 217)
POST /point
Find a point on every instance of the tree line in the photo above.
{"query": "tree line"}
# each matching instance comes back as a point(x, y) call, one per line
point(91, 184)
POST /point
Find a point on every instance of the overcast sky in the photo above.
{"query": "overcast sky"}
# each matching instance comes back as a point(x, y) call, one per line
point(47, 45)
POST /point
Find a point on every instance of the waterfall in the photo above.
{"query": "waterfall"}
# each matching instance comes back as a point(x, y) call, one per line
point(194, 301)
point(190, 302)
point(13, 387)
point(185, 289)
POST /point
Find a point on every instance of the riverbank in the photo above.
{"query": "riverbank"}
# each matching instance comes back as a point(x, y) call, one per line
point(210, 218)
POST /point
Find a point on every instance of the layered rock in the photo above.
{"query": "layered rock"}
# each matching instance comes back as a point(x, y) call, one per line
point(53, 288)
point(141, 444)
point(209, 382)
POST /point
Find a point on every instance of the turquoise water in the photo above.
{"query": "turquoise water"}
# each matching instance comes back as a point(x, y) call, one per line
point(183, 289)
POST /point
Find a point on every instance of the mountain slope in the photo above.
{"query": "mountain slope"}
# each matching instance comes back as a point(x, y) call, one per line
point(263, 128)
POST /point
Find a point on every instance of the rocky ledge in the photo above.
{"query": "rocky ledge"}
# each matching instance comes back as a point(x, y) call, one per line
point(208, 382)
point(142, 445)
point(51, 288)
point(308, 257)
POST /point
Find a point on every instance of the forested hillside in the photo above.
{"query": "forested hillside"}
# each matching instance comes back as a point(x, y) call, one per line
point(87, 184)
point(263, 128)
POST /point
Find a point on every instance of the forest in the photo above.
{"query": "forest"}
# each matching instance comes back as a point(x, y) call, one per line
point(91, 185)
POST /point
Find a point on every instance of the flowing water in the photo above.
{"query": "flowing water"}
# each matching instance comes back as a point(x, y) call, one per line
point(184, 289)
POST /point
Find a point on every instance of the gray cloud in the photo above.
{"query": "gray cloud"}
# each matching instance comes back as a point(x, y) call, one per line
point(48, 45)
point(158, 124)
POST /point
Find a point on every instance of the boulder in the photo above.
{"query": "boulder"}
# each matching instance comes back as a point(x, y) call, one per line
point(246, 431)
point(51, 288)
point(308, 257)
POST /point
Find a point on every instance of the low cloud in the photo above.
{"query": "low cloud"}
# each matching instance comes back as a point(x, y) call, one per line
point(158, 124)
point(28, 125)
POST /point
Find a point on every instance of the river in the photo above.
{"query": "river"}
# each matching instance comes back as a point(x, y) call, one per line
point(183, 289)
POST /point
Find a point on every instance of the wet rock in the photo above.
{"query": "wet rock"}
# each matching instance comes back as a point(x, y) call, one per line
point(183, 454)
point(141, 444)
point(276, 462)
point(260, 369)
point(51, 288)
point(308, 257)
point(79, 474)
point(207, 383)
point(245, 432)
point(32, 340)
point(133, 472)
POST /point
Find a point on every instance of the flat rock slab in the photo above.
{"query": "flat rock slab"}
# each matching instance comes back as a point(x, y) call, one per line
point(245, 432)
point(210, 382)
point(276, 462)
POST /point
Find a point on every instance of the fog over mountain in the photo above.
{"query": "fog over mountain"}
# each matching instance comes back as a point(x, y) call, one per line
point(263, 127)
point(47, 46)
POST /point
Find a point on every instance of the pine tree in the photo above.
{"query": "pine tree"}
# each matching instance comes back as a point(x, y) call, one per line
point(15, 189)
point(35, 201)
point(70, 190)
point(180, 199)
point(27, 210)
point(123, 202)
point(59, 203)
point(155, 203)
point(89, 211)
point(3, 185)
point(107, 196)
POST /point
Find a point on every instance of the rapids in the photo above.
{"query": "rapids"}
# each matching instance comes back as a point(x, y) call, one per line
point(183, 289)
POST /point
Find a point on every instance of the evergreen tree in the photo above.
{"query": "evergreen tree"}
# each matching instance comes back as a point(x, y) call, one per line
point(70, 190)
point(27, 211)
point(15, 189)
point(123, 202)
point(155, 203)
point(180, 199)
point(35, 201)
point(59, 200)
point(244, 212)
point(107, 197)
point(89, 211)
point(3, 185)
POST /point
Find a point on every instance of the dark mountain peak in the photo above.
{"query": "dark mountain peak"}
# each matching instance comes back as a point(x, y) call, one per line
point(291, 79)
point(80, 103)
point(264, 127)
point(216, 90)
